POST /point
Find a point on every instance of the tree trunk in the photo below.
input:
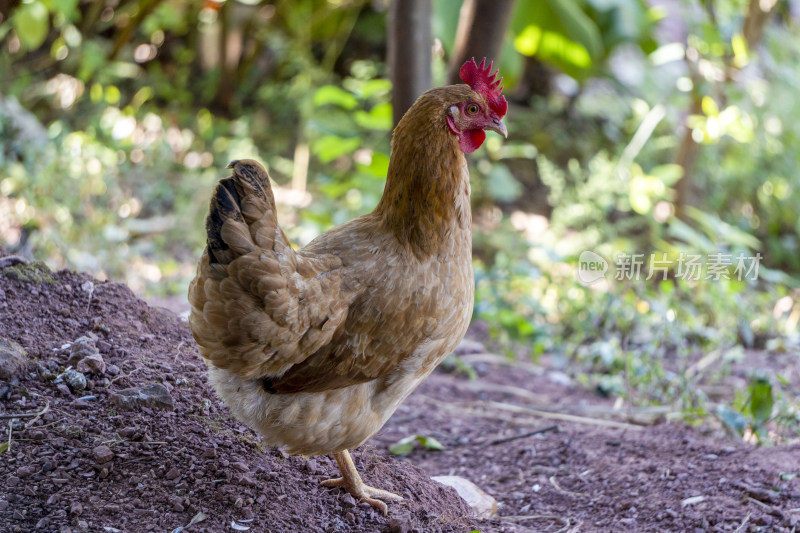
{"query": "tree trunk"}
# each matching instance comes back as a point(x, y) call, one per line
point(758, 13)
point(410, 47)
point(482, 26)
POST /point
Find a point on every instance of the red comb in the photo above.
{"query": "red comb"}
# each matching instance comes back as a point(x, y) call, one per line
point(481, 80)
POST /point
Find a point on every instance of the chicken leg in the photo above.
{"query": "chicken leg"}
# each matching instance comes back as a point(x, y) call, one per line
point(351, 481)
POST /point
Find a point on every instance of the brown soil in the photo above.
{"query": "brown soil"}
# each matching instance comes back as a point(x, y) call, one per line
point(97, 460)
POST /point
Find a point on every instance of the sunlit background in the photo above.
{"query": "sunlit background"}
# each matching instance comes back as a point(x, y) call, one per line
point(662, 127)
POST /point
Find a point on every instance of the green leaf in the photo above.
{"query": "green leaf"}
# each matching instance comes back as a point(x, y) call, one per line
point(761, 400)
point(3, 447)
point(379, 118)
point(376, 87)
point(378, 167)
point(559, 32)
point(731, 418)
point(430, 443)
point(404, 446)
point(31, 23)
point(330, 94)
point(501, 184)
point(331, 147)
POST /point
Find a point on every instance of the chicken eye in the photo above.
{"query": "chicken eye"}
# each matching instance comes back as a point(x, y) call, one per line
point(472, 109)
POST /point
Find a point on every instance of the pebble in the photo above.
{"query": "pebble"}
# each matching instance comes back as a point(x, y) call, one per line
point(102, 454)
point(397, 525)
point(241, 467)
point(76, 508)
point(81, 348)
point(74, 380)
point(153, 395)
point(26, 471)
point(209, 453)
point(173, 473)
point(92, 364)
point(347, 500)
point(3, 505)
point(12, 359)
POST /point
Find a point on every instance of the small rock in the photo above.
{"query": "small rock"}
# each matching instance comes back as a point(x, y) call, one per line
point(209, 453)
point(347, 500)
point(400, 525)
point(26, 471)
point(45, 373)
point(173, 473)
point(241, 467)
point(13, 359)
point(131, 433)
point(76, 508)
point(112, 370)
point(102, 454)
point(74, 380)
point(63, 389)
point(92, 364)
point(82, 347)
point(153, 395)
point(3, 505)
point(12, 481)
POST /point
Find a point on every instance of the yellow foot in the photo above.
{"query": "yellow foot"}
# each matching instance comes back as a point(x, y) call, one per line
point(351, 481)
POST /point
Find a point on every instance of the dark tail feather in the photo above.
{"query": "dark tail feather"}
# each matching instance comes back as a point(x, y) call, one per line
point(249, 179)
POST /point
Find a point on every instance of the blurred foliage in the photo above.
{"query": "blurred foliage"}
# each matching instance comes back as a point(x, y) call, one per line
point(117, 118)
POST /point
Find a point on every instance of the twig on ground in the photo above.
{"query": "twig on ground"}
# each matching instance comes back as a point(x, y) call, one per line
point(35, 416)
point(556, 416)
point(566, 521)
point(8, 445)
point(525, 435)
point(555, 484)
point(692, 500)
point(123, 375)
point(744, 523)
point(760, 504)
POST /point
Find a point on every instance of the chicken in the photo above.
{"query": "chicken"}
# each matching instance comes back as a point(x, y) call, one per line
point(316, 348)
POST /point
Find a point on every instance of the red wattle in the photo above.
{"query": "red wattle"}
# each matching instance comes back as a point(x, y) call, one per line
point(471, 140)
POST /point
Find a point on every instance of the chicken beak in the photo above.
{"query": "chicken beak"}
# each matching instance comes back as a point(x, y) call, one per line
point(498, 126)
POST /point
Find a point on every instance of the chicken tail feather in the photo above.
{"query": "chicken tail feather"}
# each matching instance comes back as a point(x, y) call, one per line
point(242, 206)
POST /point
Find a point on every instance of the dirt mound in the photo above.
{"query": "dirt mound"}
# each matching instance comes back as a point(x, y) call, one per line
point(134, 440)
point(144, 444)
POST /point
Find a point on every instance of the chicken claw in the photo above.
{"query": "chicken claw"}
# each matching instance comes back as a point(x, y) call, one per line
point(352, 482)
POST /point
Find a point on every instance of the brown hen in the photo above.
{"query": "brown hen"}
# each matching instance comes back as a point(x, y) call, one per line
point(316, 348)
